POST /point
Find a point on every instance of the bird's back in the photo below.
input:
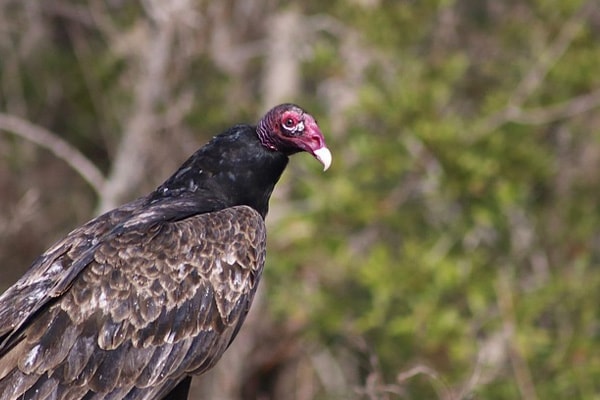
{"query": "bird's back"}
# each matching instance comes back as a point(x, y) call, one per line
point(154, 303)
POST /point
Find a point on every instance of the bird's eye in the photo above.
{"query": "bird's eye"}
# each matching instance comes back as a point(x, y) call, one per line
point(289, 123)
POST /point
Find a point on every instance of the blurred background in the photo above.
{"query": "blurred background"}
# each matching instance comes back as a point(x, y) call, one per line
point(452, 251)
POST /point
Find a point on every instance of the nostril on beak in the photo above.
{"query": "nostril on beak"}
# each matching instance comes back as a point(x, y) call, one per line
point(316, 141)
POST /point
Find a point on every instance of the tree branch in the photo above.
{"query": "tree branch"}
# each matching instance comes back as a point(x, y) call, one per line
point(63, 150)
point(130, 160)
point(566, 109)
point(520, 368)
point(534, 78)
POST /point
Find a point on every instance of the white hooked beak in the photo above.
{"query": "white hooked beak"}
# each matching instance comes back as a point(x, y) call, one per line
point(324, 156)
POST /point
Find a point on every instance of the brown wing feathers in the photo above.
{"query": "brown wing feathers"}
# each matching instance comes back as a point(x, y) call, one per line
point(152, 306)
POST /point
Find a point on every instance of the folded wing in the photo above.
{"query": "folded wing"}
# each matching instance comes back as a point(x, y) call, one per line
point(154, 302)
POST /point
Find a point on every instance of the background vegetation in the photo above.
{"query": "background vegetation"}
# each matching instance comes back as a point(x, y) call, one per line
point(452, 250)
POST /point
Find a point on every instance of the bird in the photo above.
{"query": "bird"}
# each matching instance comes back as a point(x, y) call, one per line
point(135, 302)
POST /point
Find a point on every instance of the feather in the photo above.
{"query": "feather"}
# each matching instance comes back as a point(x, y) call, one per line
point(43, 389)
point(106, 375)
point(52, 348)
point(151, 373)
point(112, 334)
point(198, 352)
point(15, 384)
point(51, 337)
point(176, 357)
point(86, 375)
point(78, 358)
point(134, 361)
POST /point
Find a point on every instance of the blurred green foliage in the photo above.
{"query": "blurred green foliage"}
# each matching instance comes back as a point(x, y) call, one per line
point(434, 220)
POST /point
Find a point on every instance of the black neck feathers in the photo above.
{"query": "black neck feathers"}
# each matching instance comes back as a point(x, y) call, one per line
point(234, 168)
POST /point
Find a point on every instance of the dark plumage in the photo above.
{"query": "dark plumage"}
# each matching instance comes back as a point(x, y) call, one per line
point(134, 302)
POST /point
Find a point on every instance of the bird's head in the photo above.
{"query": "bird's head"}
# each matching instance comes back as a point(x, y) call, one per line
point(289, 129)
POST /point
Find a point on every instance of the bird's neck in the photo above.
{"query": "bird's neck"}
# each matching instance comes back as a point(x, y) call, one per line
point(232, 169)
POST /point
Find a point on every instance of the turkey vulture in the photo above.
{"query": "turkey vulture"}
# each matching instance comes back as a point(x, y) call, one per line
point(136, 301)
